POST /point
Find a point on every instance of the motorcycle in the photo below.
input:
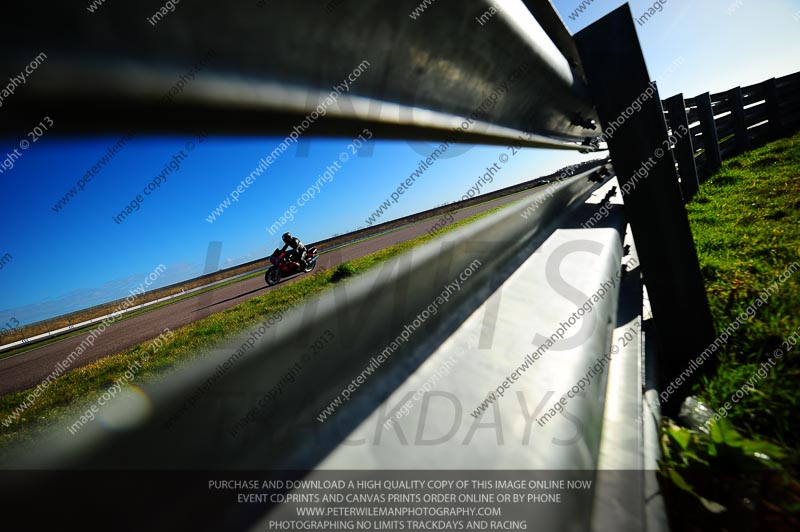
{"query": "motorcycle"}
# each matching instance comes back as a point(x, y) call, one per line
point(283, 266)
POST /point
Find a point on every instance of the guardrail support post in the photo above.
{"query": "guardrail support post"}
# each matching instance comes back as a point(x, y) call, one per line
point(773, 108)
point(736, 101)
point(710, 137)
point(617, 75)
point(684, 150)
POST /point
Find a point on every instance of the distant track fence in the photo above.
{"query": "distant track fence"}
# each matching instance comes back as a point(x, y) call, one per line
point(725, 124)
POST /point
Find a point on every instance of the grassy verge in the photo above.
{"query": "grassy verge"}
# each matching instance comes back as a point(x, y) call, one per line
point(746, 226)
point(61, 400)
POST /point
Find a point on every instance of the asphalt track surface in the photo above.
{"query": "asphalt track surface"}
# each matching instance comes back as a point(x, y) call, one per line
point(28, 369)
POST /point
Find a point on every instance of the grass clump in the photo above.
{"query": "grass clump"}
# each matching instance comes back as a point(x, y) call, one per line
point(343, 271)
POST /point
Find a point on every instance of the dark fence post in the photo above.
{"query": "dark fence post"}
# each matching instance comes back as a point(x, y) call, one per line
point(617, 75)
point(773, 108)
point(684, 150)
point(736, 102)
point(710, 137)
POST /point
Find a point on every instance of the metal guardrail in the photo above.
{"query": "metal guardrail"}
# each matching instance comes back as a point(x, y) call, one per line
point(210, 419)
point(422, 78)
point(361, 313)
point(186, 426)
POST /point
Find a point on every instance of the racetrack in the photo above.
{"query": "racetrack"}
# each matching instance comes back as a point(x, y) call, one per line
point(29, 368)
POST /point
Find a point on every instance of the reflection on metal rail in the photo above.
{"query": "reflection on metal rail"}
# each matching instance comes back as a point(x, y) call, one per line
point(270, 67)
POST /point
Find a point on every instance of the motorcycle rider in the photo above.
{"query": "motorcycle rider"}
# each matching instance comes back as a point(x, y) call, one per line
point(298, 253)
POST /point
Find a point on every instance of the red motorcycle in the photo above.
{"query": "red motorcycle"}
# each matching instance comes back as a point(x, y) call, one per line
point(283, 266)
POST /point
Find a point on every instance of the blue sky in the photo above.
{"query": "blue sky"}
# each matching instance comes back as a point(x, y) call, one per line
point(78, 257)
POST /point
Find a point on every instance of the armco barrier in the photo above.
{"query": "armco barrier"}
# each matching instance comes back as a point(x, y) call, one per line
point(260, 412)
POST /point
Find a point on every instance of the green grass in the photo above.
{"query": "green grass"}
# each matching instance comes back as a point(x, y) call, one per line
point(343, 271)
point(69, 394)
point(746, 226)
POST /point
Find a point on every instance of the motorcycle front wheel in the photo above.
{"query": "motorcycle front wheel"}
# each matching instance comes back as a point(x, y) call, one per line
point(273, 276)
point(310, 267)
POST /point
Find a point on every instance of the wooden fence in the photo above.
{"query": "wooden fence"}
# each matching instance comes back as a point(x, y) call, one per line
point(726, 124)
